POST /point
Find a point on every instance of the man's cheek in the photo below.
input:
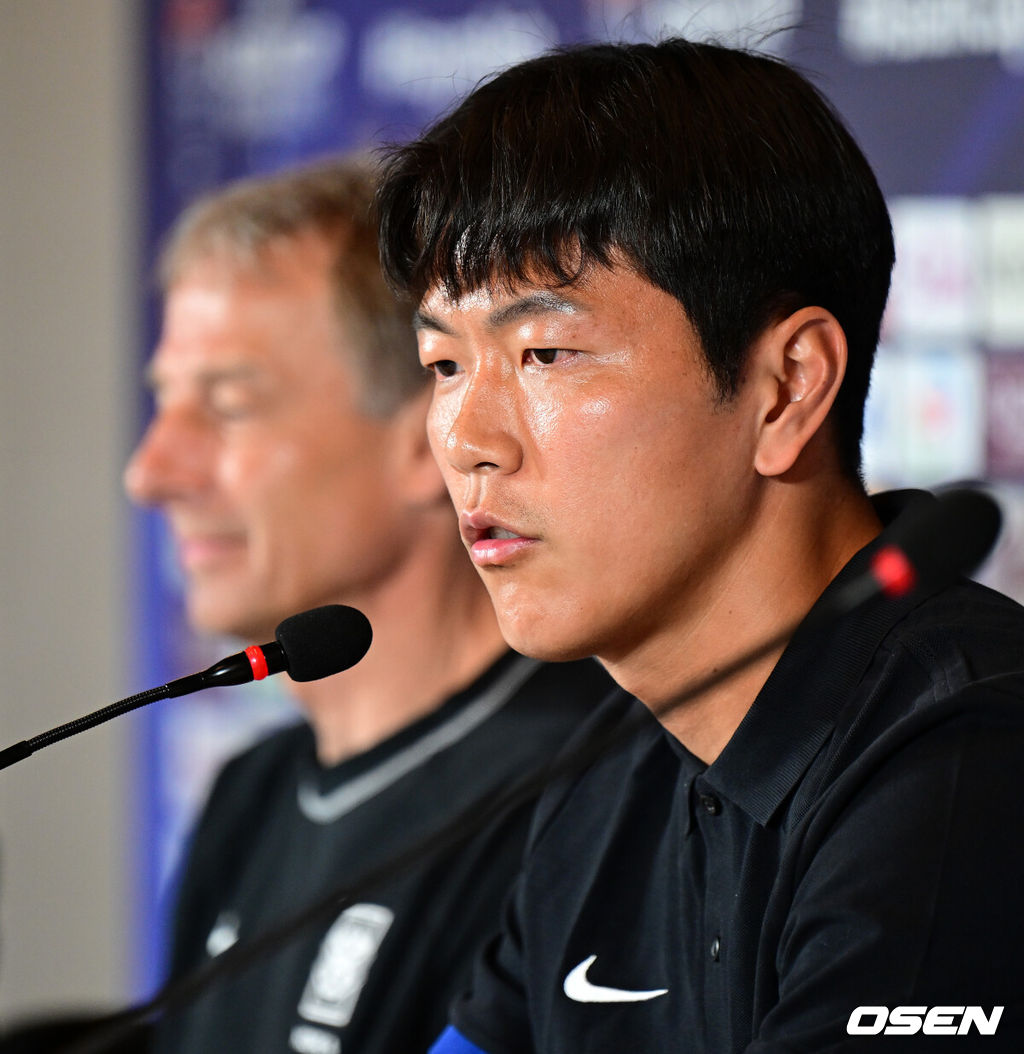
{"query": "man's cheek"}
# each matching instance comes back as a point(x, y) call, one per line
point(440, 419)
point(456, 485)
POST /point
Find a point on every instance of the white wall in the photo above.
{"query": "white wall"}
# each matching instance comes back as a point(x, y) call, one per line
point(69, 198)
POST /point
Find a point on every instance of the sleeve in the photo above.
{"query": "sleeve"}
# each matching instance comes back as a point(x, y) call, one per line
point(493, 1013)
point(451, 1041)
point(905, 893)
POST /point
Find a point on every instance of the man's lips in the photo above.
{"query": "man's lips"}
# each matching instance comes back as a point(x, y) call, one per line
point(197, 550)
point(490, 541)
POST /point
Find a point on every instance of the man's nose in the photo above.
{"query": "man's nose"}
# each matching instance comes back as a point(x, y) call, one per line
point(481, 432)
point(172, 460)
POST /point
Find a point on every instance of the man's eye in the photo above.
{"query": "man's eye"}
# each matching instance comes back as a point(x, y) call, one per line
point(547, 356)
point(443, 368)
point(232, 410)
point(234, 403)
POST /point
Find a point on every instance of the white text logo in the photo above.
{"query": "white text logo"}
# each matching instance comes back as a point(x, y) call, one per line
point(930, 1021)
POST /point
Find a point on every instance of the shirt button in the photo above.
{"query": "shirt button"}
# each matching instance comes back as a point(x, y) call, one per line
point(711, 804)
point(716, 949)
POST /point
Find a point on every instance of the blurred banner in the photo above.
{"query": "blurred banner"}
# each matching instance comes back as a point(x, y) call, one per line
point(933, 89)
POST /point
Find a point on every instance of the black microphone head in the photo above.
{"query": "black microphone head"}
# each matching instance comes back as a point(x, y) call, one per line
point(948, 536)
point(323, 641)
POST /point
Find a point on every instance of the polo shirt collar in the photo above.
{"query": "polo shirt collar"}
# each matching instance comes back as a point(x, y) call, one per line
point(795, 712)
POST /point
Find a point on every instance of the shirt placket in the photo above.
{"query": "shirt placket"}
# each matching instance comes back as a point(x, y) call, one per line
point(718, 893)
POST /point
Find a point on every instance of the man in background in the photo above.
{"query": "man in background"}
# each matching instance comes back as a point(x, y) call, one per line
point(650, 281)
point(288, 454)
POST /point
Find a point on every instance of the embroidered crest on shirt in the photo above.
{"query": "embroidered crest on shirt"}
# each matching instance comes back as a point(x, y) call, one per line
point(345, 957)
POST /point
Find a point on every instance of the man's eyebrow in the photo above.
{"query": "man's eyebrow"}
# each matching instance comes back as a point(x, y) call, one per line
point(424, 320)
point(153, 376)
point(542, 302)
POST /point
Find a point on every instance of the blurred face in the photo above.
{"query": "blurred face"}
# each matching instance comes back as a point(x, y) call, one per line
point(280, 494)
point(603, 489)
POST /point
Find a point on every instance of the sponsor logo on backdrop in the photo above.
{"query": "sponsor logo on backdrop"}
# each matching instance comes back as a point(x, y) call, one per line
point(936, 277)
point(1002, 227)
point(885, 423)
point(912, 30)
point(1006, 416)
point(959, 269)
point(924, 421)
point(766, 25)
point(944, 398)
point(270, 70)
point(427, 62)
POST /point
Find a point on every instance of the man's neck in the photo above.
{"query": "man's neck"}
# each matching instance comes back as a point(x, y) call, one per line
point(796, 544)
point(434, 633)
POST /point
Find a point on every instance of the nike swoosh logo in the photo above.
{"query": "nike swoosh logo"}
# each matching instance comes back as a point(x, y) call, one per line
point(580, 990)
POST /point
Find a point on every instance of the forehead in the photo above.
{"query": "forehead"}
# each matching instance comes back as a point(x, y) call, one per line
point(497, 309)
point(613, 297)
point(220, 308)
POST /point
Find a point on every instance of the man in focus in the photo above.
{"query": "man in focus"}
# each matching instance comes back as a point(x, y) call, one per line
point(650, 280)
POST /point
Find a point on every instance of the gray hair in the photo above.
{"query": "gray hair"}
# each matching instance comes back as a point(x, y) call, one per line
point(333, 198)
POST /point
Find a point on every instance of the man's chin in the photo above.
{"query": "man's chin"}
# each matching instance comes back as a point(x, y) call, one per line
point(229, 620)
point(545, 647)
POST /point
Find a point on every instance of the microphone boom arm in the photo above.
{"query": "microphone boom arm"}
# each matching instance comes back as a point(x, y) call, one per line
point(310, 645)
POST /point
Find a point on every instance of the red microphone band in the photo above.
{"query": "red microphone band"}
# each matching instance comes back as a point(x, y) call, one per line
point(894, 573)
point(258, 662)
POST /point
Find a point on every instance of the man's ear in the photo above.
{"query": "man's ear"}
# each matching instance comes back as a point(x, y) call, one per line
point(420, 477)
point(800, 363)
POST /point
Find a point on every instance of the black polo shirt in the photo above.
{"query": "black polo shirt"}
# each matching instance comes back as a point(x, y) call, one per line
point(858, 843)
point(280, 830)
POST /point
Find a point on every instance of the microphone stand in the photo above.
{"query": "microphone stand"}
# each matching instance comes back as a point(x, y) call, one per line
point(27, 747)
point(309, 645)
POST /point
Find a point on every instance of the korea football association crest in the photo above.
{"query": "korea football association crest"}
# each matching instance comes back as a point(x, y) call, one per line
point(342, 963)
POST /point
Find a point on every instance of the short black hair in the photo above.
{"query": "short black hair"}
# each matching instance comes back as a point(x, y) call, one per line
point(723, 176)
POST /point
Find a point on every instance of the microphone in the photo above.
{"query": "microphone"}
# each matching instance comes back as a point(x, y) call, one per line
point(308, 646)
point(935, 541)
point(940, 540)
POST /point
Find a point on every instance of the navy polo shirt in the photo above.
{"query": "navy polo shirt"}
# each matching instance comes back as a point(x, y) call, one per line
point(858, 843)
